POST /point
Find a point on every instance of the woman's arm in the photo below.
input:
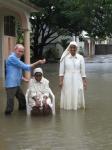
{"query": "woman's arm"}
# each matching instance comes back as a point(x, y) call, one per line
point(61, 73)
point(83, 74)
point(61, 81)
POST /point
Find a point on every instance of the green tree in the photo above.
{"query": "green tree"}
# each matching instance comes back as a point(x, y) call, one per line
point(56, 17)
point(98, 18)
point(69, 17)
point(45, 28)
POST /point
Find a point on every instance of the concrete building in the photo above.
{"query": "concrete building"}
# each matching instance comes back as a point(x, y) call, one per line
point(11, 12)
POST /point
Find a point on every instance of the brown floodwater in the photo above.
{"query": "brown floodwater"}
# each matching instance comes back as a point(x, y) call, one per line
point(67, 130)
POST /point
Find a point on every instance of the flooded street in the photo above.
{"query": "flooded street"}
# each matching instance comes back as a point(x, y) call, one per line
point(68, 130)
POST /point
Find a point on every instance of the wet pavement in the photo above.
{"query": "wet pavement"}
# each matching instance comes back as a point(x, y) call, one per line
point(99, 59)
point(68, 130)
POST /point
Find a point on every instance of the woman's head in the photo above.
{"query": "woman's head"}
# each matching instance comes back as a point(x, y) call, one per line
point(73, 48)
point(38, 73)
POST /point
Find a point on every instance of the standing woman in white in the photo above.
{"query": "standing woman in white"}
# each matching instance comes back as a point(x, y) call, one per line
point(72, 78)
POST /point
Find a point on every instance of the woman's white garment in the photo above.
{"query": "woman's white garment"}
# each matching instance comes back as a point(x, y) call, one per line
point(39, 89)
point(72, 92)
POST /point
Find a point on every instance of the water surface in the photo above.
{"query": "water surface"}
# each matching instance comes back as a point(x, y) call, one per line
point(68, 130)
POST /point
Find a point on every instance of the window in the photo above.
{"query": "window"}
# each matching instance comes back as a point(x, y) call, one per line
point(9, 25)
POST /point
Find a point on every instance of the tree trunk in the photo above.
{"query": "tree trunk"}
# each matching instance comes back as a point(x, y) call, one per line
point(40, 50)
point(37, 53)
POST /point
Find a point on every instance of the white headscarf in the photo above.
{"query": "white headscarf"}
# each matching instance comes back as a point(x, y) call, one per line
point(38, 70)
point(66, 52)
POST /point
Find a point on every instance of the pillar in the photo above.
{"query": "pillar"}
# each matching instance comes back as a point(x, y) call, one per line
point(27, 50)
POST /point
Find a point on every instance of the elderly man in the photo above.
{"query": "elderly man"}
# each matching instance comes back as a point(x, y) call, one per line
point(14, 68)
point(39, 94)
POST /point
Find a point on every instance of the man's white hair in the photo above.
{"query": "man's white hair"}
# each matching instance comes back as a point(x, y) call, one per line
point(18, 46)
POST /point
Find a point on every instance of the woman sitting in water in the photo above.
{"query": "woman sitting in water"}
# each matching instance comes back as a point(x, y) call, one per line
point(39, 98)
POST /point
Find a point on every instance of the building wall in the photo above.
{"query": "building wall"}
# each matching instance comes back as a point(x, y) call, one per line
point(9, 43)
point(103, 49)
point(21, 11)
point(1, 35)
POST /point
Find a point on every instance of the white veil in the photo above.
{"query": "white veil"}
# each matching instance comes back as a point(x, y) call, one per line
point(66, 52)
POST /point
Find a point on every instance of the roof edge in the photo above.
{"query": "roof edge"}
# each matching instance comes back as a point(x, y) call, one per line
point(31, 5)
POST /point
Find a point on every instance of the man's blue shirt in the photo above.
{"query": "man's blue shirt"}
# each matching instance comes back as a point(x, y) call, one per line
point(14, 68)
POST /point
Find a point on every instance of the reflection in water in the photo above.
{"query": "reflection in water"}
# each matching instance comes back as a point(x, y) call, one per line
point(68, 130)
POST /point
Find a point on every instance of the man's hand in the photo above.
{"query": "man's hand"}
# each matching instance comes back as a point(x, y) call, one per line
point(43, 61)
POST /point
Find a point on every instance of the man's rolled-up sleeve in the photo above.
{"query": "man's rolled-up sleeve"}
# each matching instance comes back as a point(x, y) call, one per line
point(20, 64)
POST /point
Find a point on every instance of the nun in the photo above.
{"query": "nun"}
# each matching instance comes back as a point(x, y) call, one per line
point(72, 78)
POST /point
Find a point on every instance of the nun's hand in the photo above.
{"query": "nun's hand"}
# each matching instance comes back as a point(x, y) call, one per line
point(61, 84)
point(85, 84)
